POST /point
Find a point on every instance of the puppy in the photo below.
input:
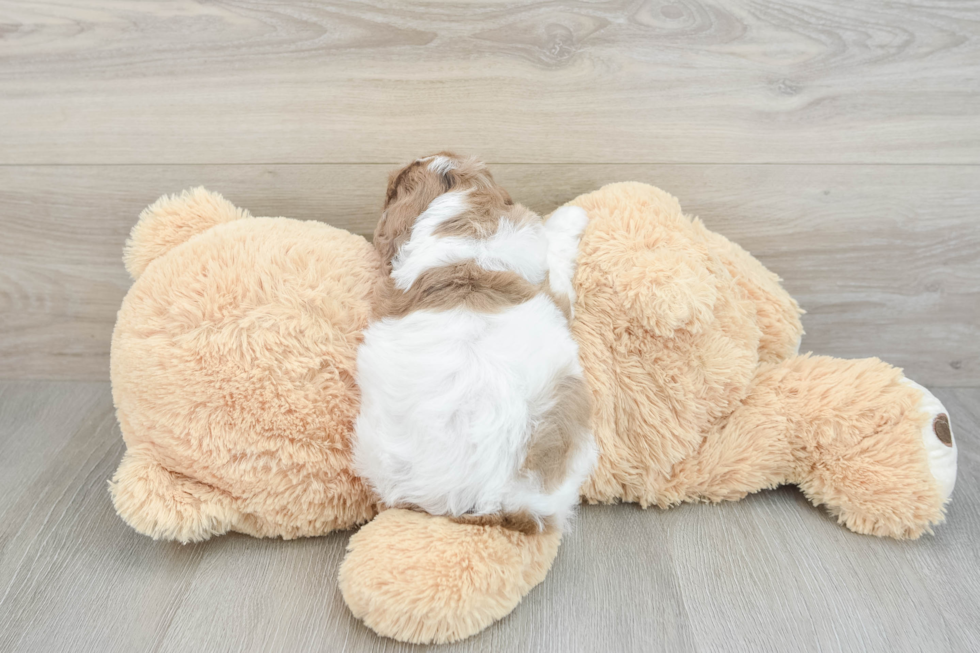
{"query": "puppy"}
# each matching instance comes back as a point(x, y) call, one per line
point(473, 403)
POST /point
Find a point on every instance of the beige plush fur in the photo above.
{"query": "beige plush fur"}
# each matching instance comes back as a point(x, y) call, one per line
point(689, 352)
point(232, 369)
point(233, 373)
point(424, 579)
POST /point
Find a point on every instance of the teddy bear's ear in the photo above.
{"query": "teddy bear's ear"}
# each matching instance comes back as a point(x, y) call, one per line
point(172, 220)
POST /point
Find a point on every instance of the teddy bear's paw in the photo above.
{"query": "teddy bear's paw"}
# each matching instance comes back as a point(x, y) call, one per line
point(938, 440)
point(424, 579)
point(166, 505)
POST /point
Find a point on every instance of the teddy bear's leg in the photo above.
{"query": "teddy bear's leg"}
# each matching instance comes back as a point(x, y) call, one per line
point(872, 446)
point(858, 437)
point(167, 505)
point(424, 579)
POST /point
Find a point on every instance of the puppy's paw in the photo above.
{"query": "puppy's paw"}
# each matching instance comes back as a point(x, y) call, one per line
point(570, 221)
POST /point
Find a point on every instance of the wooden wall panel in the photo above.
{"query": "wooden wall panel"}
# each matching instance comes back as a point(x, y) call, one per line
point(618, 81)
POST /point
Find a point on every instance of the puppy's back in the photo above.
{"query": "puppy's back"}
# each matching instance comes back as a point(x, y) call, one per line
point(473, 403)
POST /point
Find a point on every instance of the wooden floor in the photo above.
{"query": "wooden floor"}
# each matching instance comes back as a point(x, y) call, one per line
point(770, 572)
point(838, 141)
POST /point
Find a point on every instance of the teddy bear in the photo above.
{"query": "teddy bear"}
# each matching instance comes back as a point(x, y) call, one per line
point(233, 377)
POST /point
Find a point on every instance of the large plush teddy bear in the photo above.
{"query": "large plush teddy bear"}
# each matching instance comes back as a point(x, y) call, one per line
point(233, 375)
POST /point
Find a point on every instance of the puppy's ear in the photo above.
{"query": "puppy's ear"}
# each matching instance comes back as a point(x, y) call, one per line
point(401, 181)
point(470, 172)
point(450, 179)
point(505, 196)
point(392, 231)
point(410, 190)
point(445, 168)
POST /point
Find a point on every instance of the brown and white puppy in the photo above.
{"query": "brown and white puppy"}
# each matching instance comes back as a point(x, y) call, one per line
point(472, 398)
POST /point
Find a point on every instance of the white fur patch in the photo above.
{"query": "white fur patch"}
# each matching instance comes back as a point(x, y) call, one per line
point(515, 248)
point(449, 400)
point(942, 459)
point(441, 164)
point(564, 229)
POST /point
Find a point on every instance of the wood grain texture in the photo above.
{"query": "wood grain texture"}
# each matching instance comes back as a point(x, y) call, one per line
point(884, 258)
point(769, 573)
point(837, 141)
point(617, 81)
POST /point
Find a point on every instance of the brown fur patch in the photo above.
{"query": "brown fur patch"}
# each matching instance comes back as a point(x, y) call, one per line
point(941, 427)
point(563, 302)
point(412, 189)
point(562, 431)
point(462, 284)
point(522, 522)
point(488, 203)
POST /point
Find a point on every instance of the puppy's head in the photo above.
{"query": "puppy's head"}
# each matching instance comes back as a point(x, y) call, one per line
point(412, 188)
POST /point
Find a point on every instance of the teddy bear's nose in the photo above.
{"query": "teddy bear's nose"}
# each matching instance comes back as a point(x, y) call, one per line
point(941, 426)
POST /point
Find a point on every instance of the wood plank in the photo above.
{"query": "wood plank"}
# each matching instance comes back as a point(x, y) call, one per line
point(790, 81)
point(769, 572)
point(884, 258)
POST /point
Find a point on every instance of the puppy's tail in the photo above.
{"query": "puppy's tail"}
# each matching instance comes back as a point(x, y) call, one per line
point(172, 220)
